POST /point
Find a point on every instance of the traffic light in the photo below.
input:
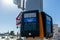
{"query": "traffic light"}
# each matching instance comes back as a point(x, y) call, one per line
point(36, 24)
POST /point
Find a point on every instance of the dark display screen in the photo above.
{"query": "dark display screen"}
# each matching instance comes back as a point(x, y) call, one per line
point(48, 24)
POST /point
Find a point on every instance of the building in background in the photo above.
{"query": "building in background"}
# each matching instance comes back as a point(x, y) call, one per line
point(58, 33)
point(55, 30)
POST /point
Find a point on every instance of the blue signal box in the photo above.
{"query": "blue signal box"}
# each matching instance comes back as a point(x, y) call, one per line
point(35, 24)
point(30, 24)
point(47, 25)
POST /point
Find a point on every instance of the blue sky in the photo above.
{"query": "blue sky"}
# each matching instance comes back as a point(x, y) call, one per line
point(8, 13)
point(52, 7)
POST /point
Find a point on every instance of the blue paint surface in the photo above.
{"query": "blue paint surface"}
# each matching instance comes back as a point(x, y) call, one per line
point(30, 19)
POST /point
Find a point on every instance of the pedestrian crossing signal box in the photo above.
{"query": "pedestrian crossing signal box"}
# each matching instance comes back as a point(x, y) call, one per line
point(30, 24)
point(36, 24)
point(47, 25)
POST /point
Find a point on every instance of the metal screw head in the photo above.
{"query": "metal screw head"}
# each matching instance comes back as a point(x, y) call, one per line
point(29, 33)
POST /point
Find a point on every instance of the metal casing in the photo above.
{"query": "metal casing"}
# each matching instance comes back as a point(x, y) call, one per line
point(30, 24)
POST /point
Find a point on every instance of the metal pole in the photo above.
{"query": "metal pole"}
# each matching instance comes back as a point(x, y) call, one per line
point(23, 5)
point(22, 11)
point(20, 33)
